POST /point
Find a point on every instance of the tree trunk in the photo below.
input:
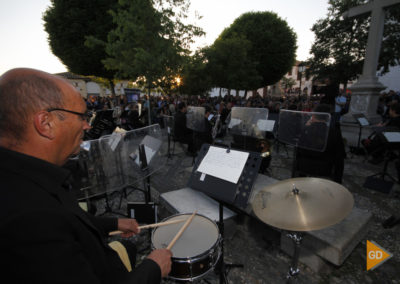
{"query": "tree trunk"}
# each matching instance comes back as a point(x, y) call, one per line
point(112, 87)
point(148, 103)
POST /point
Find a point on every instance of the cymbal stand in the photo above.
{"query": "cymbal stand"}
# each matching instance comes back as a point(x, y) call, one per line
point(294, 270)
point(296, 237)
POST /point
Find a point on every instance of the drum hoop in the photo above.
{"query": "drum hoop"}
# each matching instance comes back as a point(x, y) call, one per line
point(199, 256)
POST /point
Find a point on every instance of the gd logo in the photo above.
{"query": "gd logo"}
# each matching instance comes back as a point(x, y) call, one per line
point(376, 255)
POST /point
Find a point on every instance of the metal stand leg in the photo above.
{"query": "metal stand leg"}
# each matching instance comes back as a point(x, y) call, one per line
point(169, 147)
point(223, 267)
point(294, 270)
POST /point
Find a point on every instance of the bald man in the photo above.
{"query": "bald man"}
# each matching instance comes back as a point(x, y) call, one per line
point(44, 235)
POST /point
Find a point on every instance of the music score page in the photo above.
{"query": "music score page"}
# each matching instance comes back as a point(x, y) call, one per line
point(220, 164)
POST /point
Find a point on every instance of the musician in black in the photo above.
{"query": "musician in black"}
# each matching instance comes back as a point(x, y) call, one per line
point(376, 144)
point(330, 162)
point(46, 236)
point(181, 132)
point(204, 135)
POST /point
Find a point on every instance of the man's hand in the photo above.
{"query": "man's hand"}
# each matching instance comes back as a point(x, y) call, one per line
point(129, 227)
point(163, 258)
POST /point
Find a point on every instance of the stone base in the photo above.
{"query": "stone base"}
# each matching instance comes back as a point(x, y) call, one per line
point(333, 244)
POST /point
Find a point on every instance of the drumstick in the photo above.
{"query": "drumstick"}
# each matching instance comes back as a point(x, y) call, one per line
point(150, 226)
point(178, 235)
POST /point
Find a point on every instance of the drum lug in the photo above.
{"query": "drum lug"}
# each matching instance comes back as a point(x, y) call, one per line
point(212, 257)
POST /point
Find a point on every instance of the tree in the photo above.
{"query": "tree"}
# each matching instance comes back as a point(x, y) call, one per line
point(272, 45)
point(196, 80)
point(229, 64)
point(150, 39)
point(287, 83)
point(69, 23)
point(339, 48)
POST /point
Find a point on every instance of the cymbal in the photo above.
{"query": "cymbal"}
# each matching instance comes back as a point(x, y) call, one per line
point(303, 204)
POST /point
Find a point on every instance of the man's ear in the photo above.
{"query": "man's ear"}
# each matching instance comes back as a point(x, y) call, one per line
point(44, 124)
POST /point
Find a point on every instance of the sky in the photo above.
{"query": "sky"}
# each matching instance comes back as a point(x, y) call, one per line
point(24, 40)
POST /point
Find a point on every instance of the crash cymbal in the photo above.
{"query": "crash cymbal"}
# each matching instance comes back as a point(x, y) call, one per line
point(303, 204)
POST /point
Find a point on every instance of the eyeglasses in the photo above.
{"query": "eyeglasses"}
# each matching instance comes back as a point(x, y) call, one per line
point(83, 115)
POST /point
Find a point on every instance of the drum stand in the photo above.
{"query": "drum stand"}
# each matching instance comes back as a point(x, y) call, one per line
point(224, 267)
point(294, 270)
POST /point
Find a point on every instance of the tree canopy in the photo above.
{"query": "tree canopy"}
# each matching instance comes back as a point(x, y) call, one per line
point(150, 39)
point(339, 48)
point(229, 64)
point(69, 23)
point(266, 48)
point(196, 80)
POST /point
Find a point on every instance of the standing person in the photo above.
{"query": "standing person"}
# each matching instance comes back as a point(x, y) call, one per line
point(340, 103)
point(45, 236)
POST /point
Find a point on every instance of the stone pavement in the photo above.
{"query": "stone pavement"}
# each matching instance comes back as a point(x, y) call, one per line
point(257, 245)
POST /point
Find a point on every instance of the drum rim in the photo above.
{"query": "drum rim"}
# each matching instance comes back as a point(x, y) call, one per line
point(195, 257)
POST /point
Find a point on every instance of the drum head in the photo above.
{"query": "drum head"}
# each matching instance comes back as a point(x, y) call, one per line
point(200, 236)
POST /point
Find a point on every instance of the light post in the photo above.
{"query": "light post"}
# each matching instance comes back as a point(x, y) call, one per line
point(300, 69)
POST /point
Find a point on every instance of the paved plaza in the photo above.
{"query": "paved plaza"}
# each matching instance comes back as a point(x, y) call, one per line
point(257, 246)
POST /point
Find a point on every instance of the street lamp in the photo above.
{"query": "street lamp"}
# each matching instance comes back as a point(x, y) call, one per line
point(300, 69)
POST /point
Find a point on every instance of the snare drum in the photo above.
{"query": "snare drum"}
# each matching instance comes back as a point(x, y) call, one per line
point(196, 252)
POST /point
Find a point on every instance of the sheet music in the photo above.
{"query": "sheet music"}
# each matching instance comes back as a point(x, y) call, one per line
point(265, 125)
point(149, 155)
point(114, 140)
point(227, 166)
point(234, 122)
point(363, 121)
point(85, 145)
point(392, 136)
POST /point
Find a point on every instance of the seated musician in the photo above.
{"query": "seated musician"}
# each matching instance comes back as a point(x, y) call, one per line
point(376, 143)
point(46, 237)
point(181, 132)
point(330, 162)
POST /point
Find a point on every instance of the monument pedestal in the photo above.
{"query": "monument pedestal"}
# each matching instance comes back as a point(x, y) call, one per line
point(364, 100)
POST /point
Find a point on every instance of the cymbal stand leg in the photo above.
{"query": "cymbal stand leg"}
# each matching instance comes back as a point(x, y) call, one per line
point(294, 270)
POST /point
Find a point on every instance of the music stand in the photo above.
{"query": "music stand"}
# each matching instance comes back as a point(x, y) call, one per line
point(113, 162)
point(196, 121)
point(304, 130)
point(236, 194)
point(362, 121)
point(277, 143)
point(168, 127)
point(308, 131)
point(247, 126)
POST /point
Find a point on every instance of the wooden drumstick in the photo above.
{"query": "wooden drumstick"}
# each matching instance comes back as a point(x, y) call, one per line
point(150, 226)
point(178, 235)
